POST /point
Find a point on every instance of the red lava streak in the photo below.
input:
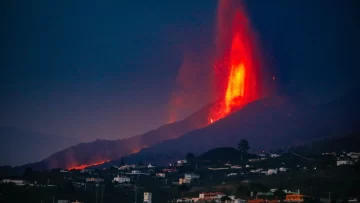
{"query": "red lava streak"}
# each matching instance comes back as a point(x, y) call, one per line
point(238, 63)
point(80, 167)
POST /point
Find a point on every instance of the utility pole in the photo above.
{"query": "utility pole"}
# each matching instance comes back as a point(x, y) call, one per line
point(96, 193)
point(135, 189)
point(102, 194)
point(53, 199)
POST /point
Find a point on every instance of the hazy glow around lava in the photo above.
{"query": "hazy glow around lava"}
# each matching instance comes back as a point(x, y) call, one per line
point(237, 68)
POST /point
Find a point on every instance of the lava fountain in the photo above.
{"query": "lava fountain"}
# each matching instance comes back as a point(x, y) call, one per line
point(238, 62)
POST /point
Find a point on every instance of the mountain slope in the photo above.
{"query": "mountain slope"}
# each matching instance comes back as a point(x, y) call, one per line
point(277, 121)
point(21, 146)
point(267, 124)
point(102, 150)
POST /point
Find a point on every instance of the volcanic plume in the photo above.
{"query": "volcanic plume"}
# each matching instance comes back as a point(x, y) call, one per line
point(236, 69)
point(235, 80)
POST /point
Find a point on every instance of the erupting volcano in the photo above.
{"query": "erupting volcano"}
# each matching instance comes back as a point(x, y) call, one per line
point(236, 69)
point(234, 82)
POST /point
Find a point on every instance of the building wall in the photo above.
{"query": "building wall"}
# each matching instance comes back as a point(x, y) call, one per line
point(147, 197)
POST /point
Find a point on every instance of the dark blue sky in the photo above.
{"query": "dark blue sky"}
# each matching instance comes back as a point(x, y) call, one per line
point(106, 69)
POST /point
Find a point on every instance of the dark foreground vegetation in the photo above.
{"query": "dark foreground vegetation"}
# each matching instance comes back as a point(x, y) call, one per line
point(309, 171)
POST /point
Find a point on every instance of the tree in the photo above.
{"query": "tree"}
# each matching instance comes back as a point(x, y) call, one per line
point(122, 161)
point(280, 194)
point(243, 146)
point(190, 157)
point(258, 187)
point(109, 187)
point(69, 187)
point(279, 151)
point(225, 199)
point(242, 190)
point(183, 188)
point(140, 163)
point(28, 174)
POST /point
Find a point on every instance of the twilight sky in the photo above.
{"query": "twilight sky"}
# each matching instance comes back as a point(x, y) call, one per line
point(107, 69)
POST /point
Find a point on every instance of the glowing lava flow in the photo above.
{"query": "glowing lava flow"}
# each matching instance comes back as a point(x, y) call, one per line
point(80, 167)
point(237, 74)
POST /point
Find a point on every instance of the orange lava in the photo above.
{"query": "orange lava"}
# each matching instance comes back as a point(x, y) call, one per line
point(136, 150)
point(237, 68)
point(83, 166)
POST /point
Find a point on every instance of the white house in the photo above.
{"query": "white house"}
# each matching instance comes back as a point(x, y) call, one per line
point(187, 181)
point(122, 179)
point(182, 161)
point(160, 175)
point(126, 167)
point(254, 160)
point(272, 171)
point(184, 181)
point(236, 167)
point(353, 155)
point(343, 162)
point(211, 195)
point(16, 182)
point(147, 197)
point(151, 166)
point(283, 169)
point(96, 180)
point(256, 170)
point(136, 172)
point(329, 153)
point(63, 201)
point(239, 200)
point(217, 169)
point(87, 170)
point(274, 155)
point(187, 199)
point(191, 176)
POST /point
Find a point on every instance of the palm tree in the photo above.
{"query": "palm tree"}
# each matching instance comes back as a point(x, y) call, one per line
point(243, 146)
point(225, 199)
point(183, 188)
point(190, 157)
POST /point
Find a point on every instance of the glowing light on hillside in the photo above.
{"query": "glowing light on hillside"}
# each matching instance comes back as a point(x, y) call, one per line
point(83, 166)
